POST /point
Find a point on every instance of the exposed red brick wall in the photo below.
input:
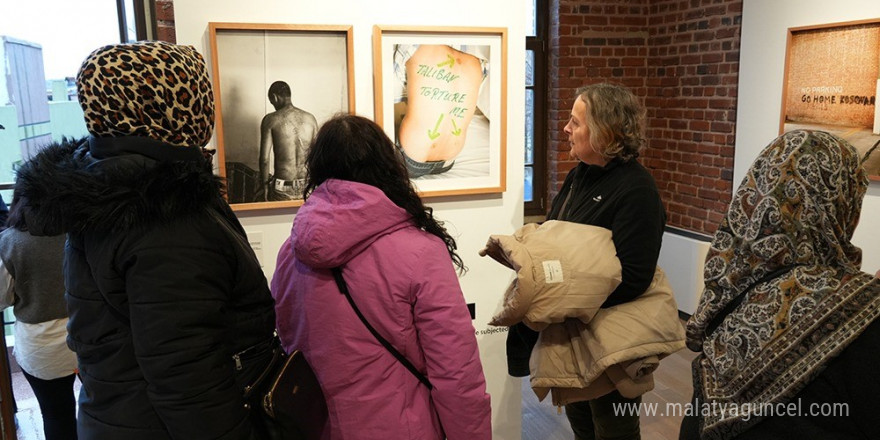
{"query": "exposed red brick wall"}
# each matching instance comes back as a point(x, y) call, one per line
point(165, 21)
point(682, 58)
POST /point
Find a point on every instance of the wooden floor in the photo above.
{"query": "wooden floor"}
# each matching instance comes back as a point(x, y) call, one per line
point(672, 384)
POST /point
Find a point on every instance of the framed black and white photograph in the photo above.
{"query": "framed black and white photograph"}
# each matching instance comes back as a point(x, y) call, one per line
point(274, 85)
point(440, 94)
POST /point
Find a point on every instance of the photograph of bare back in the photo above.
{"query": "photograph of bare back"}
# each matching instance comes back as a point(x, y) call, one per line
point(831, 84)
point(274, 85)
point(285, 135)
point(439, 96)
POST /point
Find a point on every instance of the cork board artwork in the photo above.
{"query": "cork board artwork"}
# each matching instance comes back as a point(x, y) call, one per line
point(831, 84)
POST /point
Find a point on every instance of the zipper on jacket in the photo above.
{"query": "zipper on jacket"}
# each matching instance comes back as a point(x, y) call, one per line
point(237, 359)
point(562, 211)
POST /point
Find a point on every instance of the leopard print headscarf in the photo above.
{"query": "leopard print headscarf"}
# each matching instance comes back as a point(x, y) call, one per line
point(793, 218)
point(150, 89)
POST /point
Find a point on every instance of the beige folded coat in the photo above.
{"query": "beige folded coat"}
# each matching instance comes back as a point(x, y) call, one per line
point(564, 272)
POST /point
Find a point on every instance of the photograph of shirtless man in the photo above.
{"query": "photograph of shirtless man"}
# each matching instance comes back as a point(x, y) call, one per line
point(285, 133)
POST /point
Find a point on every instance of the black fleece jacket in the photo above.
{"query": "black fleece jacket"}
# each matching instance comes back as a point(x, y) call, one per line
point(623, 197)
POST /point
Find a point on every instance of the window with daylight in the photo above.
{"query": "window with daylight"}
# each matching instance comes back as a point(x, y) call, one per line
point(535, 193)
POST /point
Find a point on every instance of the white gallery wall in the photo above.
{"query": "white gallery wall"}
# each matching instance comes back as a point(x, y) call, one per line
point(762, 63)
point(682, 259)
point(470, 219)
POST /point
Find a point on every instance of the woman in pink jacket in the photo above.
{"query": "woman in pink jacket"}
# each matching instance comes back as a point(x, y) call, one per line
point(363, 215)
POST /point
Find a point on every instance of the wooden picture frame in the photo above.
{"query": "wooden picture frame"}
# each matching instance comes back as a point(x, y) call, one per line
point(831, 83)
point(441, 94)
point(261, 141)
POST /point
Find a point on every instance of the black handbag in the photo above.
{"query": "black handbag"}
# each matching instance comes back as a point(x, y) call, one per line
point(291, 405)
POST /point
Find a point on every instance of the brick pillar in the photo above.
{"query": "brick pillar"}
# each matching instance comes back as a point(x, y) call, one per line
point(165, 21)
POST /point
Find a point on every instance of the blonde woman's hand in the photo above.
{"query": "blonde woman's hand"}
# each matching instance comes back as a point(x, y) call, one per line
point(493, 249)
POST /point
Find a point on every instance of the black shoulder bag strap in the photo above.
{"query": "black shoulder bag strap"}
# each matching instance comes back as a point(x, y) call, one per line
point(343, 288)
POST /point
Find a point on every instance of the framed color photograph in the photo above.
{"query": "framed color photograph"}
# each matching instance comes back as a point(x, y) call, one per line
point(831, 84)
point(440, 94)
point(274, 85)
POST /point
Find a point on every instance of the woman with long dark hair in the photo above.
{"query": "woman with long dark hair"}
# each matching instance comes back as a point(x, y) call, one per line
point(362, 214)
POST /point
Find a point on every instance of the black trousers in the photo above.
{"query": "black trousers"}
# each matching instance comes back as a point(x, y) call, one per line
point(598, 419)
point(57, 404)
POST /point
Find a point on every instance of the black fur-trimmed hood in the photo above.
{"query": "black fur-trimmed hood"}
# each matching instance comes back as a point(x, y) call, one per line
point(113, 184)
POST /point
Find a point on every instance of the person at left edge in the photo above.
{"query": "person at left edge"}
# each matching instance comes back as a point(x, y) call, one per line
point(160, 295)
point(31, 282)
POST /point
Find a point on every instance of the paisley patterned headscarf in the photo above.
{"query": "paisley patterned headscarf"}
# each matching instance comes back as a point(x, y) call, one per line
point(793, 218)
point(150, 89)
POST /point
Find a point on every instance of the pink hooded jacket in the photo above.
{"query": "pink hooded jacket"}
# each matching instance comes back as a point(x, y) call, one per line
point(403, 281)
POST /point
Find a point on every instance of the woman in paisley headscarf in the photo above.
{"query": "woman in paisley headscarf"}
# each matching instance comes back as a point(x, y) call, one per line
point(163, 297)
point(787, 321)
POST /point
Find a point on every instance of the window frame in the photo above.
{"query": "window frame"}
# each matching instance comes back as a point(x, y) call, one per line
point(144, 20)
point(538, 45)
point(145, 28)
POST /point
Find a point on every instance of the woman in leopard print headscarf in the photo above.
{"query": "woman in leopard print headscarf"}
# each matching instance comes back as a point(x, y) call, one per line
point(785, 299)
point(161, 292)
point(157, 90)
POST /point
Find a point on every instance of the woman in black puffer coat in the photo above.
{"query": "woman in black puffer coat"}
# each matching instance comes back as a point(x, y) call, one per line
point(161, 287)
